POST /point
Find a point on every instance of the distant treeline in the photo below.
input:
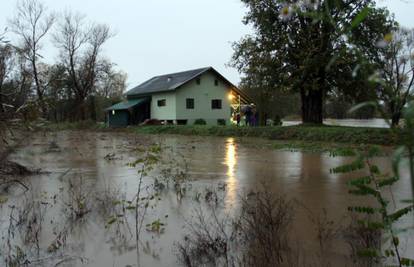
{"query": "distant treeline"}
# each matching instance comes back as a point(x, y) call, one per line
point(77, 86)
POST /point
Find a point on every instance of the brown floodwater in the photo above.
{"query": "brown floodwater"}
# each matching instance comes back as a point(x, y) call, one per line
point(241, 164)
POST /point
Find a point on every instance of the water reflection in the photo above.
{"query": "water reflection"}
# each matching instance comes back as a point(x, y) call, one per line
point(230, 161)
point(303, 177)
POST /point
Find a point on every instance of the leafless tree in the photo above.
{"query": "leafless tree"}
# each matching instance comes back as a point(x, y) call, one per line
point(111, 83)
point(398, 73)
point(32, 23)
point(80, 46)
point(6, 66)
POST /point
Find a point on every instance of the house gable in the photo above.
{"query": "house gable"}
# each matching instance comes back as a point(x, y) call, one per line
point(211, 87)
point(189, 95)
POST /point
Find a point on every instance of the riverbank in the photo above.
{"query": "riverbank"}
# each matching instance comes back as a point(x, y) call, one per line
point(327, 134)
point(298, 137)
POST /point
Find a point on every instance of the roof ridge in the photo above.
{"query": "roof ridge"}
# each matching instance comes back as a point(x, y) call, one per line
point(180, 72)
point(162, 83)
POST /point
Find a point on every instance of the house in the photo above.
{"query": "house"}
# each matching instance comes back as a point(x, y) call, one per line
point(180, 98)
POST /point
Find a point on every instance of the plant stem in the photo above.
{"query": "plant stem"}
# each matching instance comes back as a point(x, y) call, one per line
point(411, 162)
point(384, 213)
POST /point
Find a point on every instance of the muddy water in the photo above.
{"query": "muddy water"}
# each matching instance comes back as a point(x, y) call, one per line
point(211, 161)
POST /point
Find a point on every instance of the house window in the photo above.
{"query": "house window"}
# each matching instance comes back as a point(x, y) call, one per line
point(216, 82)
point(162, 103)
point(198, 81)
point(190, 103)
point(216, 104)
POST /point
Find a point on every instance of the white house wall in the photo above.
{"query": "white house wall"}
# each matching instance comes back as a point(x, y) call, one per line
point(203, 93)
point(168, 112)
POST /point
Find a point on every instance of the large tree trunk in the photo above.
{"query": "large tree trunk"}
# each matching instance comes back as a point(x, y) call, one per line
point(79, 112)
point(312, 106)
point(395, 119)
point(92, 108)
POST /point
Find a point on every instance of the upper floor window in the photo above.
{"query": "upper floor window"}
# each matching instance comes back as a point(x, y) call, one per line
point(216, 104)
point(190, 103)
point(216, 82)
point(162, 103)
point(198, 80)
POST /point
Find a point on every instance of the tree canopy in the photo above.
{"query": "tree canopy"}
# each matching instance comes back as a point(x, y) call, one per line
point(310, 47)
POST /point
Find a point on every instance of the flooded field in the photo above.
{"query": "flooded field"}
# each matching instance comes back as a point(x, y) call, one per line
point(85, 177)
point(377, 123)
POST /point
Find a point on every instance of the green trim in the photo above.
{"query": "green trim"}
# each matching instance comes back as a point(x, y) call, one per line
point(130, 103)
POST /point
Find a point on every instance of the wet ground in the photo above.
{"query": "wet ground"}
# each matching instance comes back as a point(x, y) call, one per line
point(95, 166)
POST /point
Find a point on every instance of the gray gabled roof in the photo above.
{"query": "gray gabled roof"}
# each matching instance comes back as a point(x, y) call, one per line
point(172, 81)
point(167, 82)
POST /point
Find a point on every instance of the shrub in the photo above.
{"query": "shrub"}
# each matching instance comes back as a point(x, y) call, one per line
point(200, 122)
point(277, 121)
point(221, 122)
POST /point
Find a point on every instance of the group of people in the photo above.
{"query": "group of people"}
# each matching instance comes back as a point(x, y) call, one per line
point(250, 114)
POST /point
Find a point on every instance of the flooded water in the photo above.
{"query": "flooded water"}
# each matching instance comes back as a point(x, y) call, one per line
point(372, 123)
point(210, 162)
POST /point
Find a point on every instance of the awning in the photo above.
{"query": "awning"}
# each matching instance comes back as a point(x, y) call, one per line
point(130, 103)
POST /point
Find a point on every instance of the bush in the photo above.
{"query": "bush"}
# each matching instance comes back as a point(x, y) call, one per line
point(221, 122)
point(277, 121)
point(200, 122)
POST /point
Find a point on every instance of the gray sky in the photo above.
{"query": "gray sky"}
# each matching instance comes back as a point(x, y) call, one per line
point(160, 36)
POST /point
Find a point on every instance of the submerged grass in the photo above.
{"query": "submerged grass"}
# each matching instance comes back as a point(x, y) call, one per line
point(308, 133)
point(308, 138)
point(80, 125)
point(334, 149)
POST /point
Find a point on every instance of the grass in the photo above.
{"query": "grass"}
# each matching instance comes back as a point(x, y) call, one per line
point(310, 134)
point(336, 140)
point(333, 149)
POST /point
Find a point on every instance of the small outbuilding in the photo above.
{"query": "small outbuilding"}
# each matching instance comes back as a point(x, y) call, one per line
point(180, 98)
point(131, 111)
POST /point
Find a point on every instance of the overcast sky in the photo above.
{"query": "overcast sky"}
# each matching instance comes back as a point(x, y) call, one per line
point(161, 36)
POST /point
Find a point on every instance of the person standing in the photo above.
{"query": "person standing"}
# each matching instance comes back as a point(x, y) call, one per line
point(248, 115)
point(253, 118)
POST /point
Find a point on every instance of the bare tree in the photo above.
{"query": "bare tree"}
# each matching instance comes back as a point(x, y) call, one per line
point(80, 47)
point(111, 83)
point(398, 73)
point(32, 23)
point(6, 66)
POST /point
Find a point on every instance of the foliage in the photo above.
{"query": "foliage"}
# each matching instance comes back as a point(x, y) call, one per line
point(395, 76)
point(270, 102)
point(408, 142)
point(221, 122)
point(258, 236)
point(200, 122)
point(308, 47)
point(148, 194)
point(78, 86)
point(380, 217)
point(80, 49)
